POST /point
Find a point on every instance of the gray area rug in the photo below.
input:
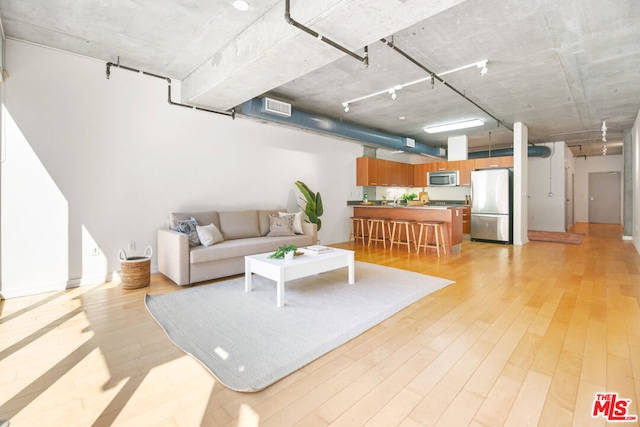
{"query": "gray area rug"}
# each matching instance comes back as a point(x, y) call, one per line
point(248, 343)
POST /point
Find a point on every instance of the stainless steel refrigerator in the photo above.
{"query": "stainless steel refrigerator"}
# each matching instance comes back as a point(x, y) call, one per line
point(491, 205)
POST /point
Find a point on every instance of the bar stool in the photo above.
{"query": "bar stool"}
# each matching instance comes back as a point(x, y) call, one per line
point(357, 229)
point(438, 228)
point(374, 230)
point(406, 223)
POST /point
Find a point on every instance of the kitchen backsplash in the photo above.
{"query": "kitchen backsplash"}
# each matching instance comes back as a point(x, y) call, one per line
point(435, 193)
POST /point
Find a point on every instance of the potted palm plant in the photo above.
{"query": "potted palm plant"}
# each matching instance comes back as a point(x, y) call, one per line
point(313, 204)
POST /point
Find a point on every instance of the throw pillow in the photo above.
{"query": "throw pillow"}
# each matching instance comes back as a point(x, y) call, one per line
point(209, 234)
point(297, 221)
point(280, 226)
point(188, 227)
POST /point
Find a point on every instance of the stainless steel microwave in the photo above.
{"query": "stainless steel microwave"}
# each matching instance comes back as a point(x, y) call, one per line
point(443, 179)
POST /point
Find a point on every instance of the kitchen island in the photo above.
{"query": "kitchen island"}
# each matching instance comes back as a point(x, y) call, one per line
point(451, 216)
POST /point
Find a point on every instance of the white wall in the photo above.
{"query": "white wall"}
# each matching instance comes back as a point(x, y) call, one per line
point(584, 166)
point(97, 162)
point(546, 207)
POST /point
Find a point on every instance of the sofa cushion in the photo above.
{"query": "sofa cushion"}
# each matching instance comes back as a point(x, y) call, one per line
point(280, 225)
point(209, 234)
point(263, 217)
point(203, 218)
point(297, 221)
point(189, 227)
point(242, 247)
point(239, 225)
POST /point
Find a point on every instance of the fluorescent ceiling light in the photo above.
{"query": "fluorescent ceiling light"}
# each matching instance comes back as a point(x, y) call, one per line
point(454, 126)
point(241, 5)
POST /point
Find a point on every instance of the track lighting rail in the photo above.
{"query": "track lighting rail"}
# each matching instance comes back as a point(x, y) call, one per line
point(287, 16)
point(231, 113)
point(436, 77)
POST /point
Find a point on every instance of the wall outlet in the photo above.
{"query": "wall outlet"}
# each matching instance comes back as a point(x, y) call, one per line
point(95, 251)
point(132, 246)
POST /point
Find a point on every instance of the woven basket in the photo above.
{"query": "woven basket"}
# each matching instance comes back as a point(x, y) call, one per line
point(136, 271)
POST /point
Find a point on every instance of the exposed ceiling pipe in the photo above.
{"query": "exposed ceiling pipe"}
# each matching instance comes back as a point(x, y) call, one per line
point(306, 120)
point(287, 16)
point(231, 113)
point(435, 76)
point(532, 151)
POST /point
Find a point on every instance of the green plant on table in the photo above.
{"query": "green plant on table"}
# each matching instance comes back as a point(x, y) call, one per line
point(313, 207)
point(408, 196)
point(282, 250)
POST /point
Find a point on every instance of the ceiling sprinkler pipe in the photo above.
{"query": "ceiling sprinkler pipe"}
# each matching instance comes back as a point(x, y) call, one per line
point(287, 17)
point(231, 113)
point(311, 121)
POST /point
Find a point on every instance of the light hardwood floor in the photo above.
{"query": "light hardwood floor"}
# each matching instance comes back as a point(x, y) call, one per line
point(526, 336)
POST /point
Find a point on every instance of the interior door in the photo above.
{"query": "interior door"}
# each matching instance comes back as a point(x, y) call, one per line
point(604, 197)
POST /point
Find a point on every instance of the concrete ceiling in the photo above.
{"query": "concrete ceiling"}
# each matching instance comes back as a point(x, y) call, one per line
point(561, 67)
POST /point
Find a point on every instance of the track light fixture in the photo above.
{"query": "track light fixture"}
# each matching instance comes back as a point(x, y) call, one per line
point(346, 107)
point(483, 67)
point(604, 132)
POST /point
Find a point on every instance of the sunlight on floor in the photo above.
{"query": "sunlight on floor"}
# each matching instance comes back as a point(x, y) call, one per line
point(247, 417)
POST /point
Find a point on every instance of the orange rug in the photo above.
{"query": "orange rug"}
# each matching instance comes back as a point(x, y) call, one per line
point(556, 237)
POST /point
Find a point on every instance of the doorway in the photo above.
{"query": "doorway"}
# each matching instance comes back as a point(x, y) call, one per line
point(604, 197)
point(569, 182)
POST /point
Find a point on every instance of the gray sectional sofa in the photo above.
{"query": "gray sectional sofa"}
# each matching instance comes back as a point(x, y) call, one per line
point(244, 232)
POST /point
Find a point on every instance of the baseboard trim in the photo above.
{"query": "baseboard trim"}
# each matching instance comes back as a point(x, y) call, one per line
point(627, 237)
point(69, 284)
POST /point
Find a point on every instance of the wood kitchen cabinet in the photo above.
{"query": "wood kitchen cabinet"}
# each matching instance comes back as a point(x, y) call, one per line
point(466, 220)
point(399, 174)
point(383, 178)
point(371, 171)
point(420, 173)
point(494, 162)
point(446, 166)
point(366, 171)
point(465, 167)
point(406, 175)
point(393, 170)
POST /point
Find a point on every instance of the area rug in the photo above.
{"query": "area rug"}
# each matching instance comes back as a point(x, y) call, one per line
point(556, 237)
point(248, 343)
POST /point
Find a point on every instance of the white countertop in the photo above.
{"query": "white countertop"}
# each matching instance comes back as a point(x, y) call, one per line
point(442, 207)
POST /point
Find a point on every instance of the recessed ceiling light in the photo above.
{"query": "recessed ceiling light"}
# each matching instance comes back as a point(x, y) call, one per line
point(241, 5)
point(454, 126)
point(401, 118)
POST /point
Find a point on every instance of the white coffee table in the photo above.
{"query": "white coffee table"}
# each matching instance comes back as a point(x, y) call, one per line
point(308, 264)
